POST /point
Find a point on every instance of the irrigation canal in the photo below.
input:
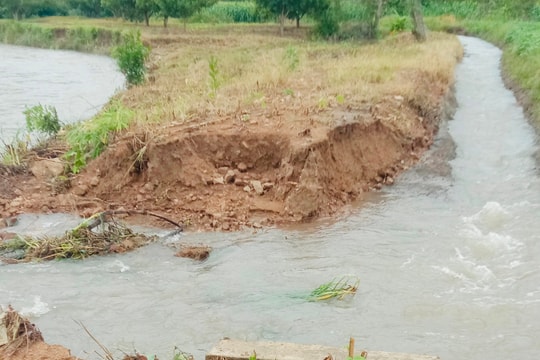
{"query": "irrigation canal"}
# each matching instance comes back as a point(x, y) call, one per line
point(448, 257)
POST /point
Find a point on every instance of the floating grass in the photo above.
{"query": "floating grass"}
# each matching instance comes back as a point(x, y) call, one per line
point(335, 289)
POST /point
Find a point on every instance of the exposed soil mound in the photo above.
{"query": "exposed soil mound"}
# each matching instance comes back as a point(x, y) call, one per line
point(226, 175)
point(229, 174)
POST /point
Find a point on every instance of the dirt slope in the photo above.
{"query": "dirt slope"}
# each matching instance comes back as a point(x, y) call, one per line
point(226, 174)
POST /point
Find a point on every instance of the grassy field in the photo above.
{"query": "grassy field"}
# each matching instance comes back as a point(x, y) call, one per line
point(244, 71)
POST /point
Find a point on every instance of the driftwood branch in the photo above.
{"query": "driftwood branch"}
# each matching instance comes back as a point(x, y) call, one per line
point(99, 218)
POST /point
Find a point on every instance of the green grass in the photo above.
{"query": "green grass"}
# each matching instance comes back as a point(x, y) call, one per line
point(87, 140)
point(47, 35)
point(231, 12)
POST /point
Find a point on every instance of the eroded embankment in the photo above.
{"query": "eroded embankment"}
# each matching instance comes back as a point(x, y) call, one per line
point(229, 175)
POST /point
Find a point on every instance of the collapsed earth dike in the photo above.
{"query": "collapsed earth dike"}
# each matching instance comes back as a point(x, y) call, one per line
point(229, 175)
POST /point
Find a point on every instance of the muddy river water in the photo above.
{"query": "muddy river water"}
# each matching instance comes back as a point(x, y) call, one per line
point(76, 84)
point(448, 258)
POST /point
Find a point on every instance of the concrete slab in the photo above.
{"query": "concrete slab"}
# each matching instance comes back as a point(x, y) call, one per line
point(229, 349)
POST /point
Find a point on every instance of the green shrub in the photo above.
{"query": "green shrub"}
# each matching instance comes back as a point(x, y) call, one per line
point(43, 119)
point(398, 24)
point(131, 56)
point(327, 23)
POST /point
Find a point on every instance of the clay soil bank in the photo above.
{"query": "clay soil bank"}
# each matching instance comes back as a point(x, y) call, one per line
point(293, 130)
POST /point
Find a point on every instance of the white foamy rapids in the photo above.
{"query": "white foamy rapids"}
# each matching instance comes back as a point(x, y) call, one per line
point(492, 217)
point(118, 266)
point(37, 309)
point(484, 230)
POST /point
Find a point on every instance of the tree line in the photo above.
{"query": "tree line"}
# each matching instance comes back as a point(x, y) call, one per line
point(327, 13)
point(132, 10)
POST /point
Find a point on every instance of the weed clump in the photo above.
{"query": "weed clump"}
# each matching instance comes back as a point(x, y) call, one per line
point(43, 118)
point(87, 140)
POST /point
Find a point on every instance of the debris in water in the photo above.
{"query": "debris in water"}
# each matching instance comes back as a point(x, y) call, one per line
point(16, 332)
point(335, 289)
point(197, 252)
point(99, 234)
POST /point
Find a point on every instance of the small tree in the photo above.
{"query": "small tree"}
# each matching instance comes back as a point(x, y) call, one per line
point(328, 20)
point(300, 8)
point(146, 8)
point(182, 9)
point(293, 9)
point(131, 56)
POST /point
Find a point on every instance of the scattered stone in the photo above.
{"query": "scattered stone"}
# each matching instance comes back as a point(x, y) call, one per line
point(240, 182)
point(230, 177)
point(16, 202)
point(257, 186)
point(218, 180)
point(390, 180)
point(223, 170)
point(48, 168)
point(94, 181)
point(242, 167)
point(247, 188)
point(267, 185)
point(225, 226)
point(149, 187)
point(80, 190)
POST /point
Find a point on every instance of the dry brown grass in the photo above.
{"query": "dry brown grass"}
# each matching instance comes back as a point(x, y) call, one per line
point(258, 77)
point(263, 75)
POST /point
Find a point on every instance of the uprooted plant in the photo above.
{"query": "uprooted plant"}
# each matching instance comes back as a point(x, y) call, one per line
point(335, 289)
